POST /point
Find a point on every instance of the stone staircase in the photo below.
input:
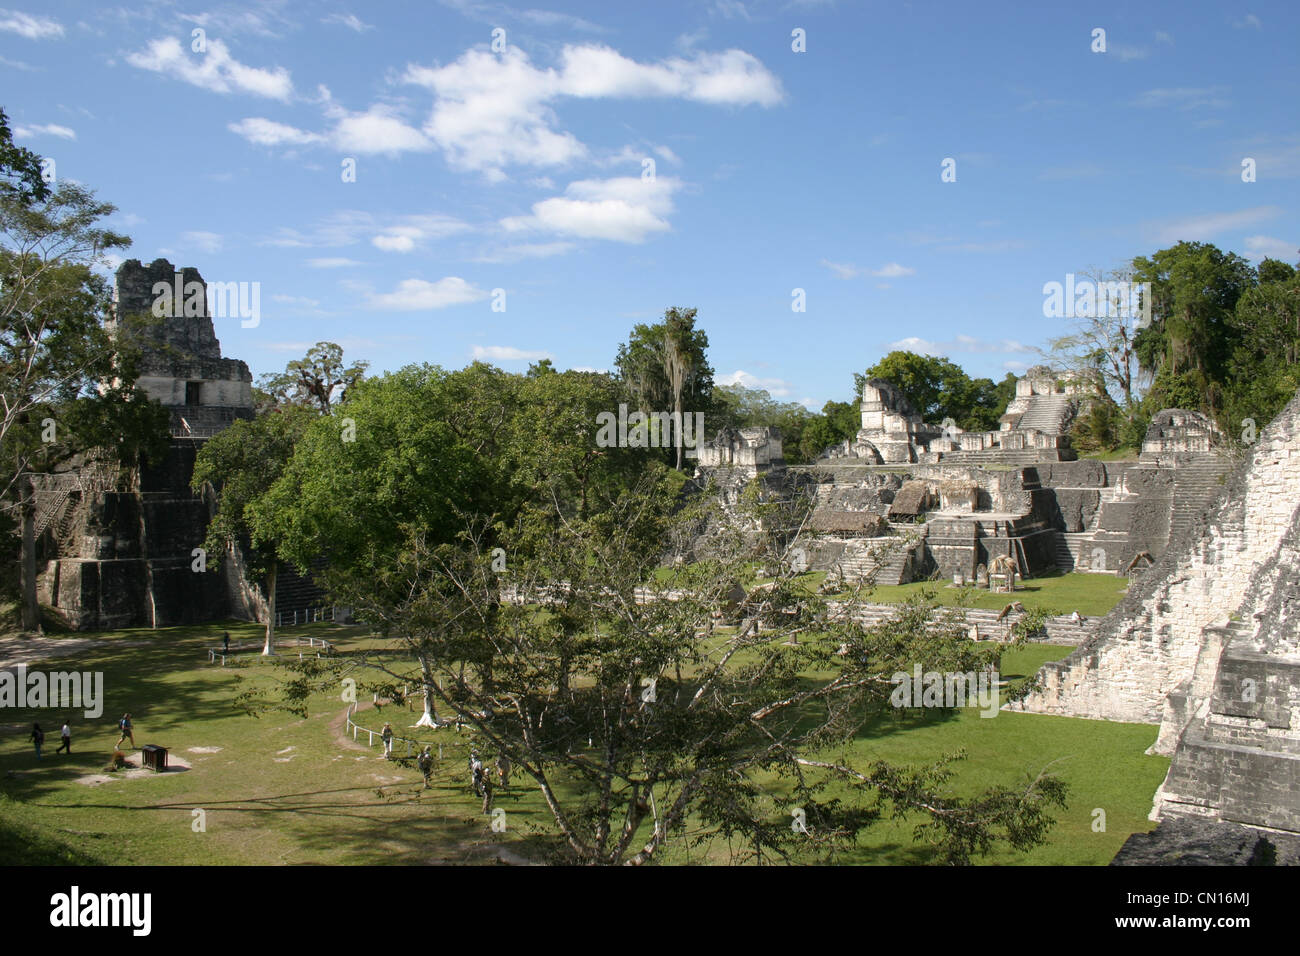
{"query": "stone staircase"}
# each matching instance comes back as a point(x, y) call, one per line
point(1058, 630)
point(1046, 413)
point(1014, 457)
point(893, 569)
point(1197, 483)
point(1063, 555)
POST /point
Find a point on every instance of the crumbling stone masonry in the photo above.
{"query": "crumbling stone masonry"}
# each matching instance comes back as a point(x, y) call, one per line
point(1207, 644)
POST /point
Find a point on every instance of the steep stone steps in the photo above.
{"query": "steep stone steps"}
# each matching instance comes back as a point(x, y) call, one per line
point(1196, 485)
point(892, 570)
point(1062, 555)
point(1046, 413)
point(1058, 630)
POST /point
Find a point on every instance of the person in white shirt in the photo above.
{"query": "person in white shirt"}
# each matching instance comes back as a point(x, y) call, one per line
point(65, 739)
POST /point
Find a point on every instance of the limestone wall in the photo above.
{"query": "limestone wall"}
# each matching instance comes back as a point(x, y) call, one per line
point(1151, 641)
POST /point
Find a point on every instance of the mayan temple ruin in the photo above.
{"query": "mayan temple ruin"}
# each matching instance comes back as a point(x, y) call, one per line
point(119, 548)
point(1207, 644)
point(957, 502)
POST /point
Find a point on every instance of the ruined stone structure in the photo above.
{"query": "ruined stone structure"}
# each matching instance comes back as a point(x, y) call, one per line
point(181, 364)
point(949, 504)
point(1034, 428)
point(1207, 643)
point(119, 547)
point(752, 450)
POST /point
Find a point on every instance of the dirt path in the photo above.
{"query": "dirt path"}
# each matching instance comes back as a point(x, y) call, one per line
point(16, 649)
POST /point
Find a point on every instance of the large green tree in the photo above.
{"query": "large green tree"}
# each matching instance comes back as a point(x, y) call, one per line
point(665, 368)
point(318, 379)
point(939, 389)
point(1186, 349)
point(642, 726)
point(241, 464)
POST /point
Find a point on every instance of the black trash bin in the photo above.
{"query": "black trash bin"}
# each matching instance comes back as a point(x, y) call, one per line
point(154, 757)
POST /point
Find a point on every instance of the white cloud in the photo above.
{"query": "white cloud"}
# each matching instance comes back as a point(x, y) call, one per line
point(776, 387)
point(265, 132)
point(624, 209)
point(507, 353)
point(891, 270)
point(1209, 226)
point(1250, 20)
point(732, 77)
point(398, 240)
point(730, 9)
point(961, 344)
point(415, 294)
point(412, 230)
point(526, 250)
point(349, 20)
point(491, 111)
point(1261, 247)
point(215, 70)
point(1163, 37)
point(377, 131)
point(208, 242)
point(332, 262)
point(26, 25)
point(49, 129)
point(350, 226)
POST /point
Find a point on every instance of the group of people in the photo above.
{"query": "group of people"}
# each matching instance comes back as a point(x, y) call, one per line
point(482, 782)
point(479, 777)
point(65, 735)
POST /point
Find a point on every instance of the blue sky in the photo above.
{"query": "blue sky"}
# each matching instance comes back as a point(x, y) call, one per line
point(523, 169)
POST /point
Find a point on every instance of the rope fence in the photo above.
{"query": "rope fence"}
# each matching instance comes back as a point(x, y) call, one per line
point(326, 649)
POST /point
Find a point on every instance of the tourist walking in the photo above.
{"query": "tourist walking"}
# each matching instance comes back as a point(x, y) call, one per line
point(65, 742)
point(128, 732)
point(225, 642)
point(503, 770)
point(387, 735)
point(38, 738)
point(479, 779)
point(425, 762)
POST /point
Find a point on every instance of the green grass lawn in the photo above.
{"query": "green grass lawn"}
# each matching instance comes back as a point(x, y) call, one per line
point(1092, 595)
point(280, 789)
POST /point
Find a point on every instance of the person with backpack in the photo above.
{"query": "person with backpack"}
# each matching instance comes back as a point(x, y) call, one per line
point(38, 738)
point(127, 732)
point(425, 762)
point(66, 741)
point(480, 780)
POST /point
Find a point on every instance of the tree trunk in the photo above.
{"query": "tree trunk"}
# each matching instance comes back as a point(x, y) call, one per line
point(429, 718)
point(269, 648)
point(677, 403)
point(31, 608)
